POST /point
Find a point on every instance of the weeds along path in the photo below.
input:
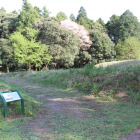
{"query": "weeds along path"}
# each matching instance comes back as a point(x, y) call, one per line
point(68, 115)
point(60, 110)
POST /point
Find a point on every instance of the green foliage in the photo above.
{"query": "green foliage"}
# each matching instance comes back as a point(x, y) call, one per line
point(107, 83)
point(94, 111)
point(95, 88)
point(30, 33)
point(123, 27)
point(61, 16)
point(14, 12)
point(82, 18)
point(112, 27)
point(6, 54)
point(129, 26)
point(100, 21)
point(128, 49)
point(7, 27)
point(96, 26)
point(72, 17)
point(38, 10)
point(63, 44)
point(7, 24)
point(102, 48)
point(82, 58)
point(82, 14)
point(28, 51)
point(28, 16)
point(45, 12)
point(91, 70)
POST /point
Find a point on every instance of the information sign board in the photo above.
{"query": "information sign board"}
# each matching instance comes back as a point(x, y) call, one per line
point(11, 96)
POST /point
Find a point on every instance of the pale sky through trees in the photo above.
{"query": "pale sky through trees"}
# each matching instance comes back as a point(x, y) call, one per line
point(95, 8)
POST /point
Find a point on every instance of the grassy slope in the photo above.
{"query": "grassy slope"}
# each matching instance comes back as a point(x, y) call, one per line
point(115, 87)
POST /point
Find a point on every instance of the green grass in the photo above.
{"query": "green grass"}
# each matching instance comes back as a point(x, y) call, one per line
point(112, 121)
point(115, 87)
point(10, 127)
point(117, 78)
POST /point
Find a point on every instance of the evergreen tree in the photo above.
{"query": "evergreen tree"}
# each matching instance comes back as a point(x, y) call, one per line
point(7, 27)
point(72, 17)
point(45, 12)
point(102, 48)
point(61, 16)
point(82, 14)
point(6, 55)
point(112, 27)
point(128, 49)
point(28, 16)
point(83, 57)
point(7, 24)
point(129, 26)
point(15, 12)
point(38, 10)
point(101, 22)
point(63, 44)
point(82, 18)
point(28, 51)
point(126, 26)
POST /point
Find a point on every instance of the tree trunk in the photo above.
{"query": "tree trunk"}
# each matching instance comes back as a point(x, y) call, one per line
point(7, 67)
point(28, 67)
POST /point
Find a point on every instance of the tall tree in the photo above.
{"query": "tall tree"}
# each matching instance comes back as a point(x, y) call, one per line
point(6, 54)
point(100, 21)
point(61, 16)
point(82, 18)
point(129, 26)
point(125, 26)
point(14, 12)
point(63, 44)
point(28, 16)
point(7, 27)
point(82, 14)
point(112, 27)
point(45, 12)
point(102, 48)
point(38, 10)
point(128, 49)
point(72, 17)
point(83, 56)
point(28, 51)
point(7, 24)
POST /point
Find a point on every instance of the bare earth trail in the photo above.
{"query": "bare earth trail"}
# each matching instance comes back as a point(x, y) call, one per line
point(55, 104)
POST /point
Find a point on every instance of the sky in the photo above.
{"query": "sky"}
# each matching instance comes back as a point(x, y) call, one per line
point(95, 8)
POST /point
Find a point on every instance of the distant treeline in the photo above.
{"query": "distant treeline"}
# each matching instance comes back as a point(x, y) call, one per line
point(32, 40)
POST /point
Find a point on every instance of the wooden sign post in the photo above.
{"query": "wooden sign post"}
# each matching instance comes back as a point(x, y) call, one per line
point(10, 96)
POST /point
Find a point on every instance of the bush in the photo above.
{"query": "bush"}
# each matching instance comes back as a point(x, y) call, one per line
point(128, 49)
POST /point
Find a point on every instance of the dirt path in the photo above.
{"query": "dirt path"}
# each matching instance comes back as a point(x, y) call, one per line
point(44, 121)
point(41, 126)
point(132, 136)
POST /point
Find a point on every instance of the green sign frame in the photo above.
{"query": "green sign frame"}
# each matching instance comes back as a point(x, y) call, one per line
point(10, 96)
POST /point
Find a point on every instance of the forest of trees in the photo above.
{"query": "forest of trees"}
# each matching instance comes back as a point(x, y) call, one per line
point(32, 40)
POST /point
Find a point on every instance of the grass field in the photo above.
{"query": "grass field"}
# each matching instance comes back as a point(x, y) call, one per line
point(94, 103)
